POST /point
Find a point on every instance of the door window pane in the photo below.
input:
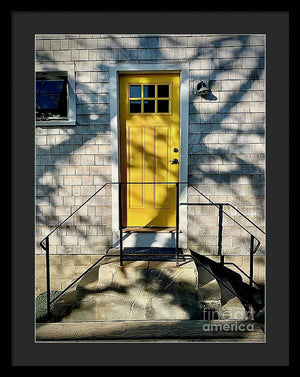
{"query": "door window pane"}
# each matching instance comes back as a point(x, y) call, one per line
point(162, 106)
point(149, 91)
point(135, 91)
point(149, 106)
point(135, 106)
point(162, 91)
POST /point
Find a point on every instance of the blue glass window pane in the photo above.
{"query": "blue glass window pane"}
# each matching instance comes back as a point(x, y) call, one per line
point(135, 91)
point(38, 85)
point(51, 97)
point(52, 86)
point(48, 101)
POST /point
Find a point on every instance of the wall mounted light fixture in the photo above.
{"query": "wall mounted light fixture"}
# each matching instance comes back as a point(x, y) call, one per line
point(201, 89)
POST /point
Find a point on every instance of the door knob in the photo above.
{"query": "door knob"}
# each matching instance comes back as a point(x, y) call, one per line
point(174, 161)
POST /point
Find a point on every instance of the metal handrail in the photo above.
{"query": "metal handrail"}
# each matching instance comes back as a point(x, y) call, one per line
point(186, 183)
point(228, 204)
point(218, 205)
point(73, 213)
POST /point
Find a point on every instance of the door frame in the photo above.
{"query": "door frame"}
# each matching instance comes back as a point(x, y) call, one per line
point(126, 68)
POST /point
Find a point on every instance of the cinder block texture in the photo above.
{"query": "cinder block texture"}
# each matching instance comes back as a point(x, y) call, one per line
point(226, 136)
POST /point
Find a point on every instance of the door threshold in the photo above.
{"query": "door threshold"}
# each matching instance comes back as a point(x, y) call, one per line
point(149, 230)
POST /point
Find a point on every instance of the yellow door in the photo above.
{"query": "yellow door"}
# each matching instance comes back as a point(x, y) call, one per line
point(149, 134)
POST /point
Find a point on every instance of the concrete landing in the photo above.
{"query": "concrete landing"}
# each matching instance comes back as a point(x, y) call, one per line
point(145, 290)
point(140, 290)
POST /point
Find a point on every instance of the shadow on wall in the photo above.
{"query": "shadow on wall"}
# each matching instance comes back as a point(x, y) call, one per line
point(58, 154)
point(209, 96)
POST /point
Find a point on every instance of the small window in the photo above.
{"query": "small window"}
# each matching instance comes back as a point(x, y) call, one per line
point(55, 102)
point(51, 96)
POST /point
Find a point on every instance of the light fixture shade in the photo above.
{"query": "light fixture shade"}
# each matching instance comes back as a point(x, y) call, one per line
point(202, 89)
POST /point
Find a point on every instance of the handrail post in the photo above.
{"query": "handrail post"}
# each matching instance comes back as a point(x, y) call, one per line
point(177, 223)
point(48, 277)
point(220, 235)
point(251, 260)
point(251, 267)
point(121, 223)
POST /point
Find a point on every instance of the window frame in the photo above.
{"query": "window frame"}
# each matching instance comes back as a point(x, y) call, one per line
point(69, 68)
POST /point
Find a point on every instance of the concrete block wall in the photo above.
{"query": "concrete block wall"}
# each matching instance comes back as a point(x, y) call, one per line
point(63, 269)
point(226, 136)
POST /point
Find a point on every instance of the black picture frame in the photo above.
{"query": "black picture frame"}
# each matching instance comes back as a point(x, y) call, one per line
point(25, 351)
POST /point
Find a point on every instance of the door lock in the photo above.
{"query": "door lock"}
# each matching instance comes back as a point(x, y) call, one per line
point(175, 150)
point(174, 161)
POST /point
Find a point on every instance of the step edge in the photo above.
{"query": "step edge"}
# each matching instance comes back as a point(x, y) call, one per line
point(140, 329)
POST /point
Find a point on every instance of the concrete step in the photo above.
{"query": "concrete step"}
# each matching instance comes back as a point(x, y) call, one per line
point(176, 330)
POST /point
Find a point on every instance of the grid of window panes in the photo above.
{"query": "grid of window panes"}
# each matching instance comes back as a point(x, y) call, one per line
point(149, 99)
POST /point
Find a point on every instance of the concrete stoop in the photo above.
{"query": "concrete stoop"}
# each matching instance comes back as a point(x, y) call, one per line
point(146, 291)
